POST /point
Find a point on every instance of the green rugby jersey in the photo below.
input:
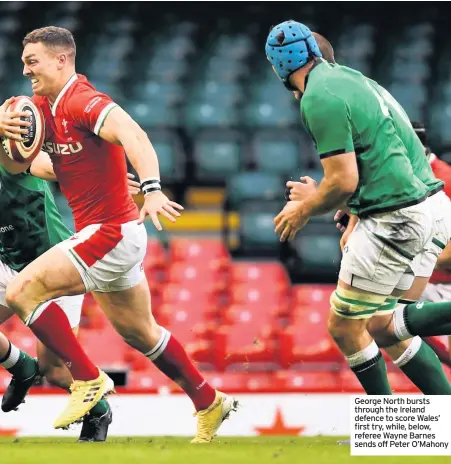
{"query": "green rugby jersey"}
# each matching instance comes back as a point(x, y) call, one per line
point(30, 222)
point(344, 111)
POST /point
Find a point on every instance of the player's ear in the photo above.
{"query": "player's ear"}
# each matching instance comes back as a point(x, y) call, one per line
point(62, 60)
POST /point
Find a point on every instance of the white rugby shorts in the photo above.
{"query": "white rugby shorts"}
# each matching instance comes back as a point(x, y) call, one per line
point(388, 250)
point(109, 257)
point(71, 305)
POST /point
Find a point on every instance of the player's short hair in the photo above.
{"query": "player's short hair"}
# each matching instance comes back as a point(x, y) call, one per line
point(53, 37)
point(325, 47)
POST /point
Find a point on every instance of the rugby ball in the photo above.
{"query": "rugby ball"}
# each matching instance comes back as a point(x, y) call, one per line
point(31, 144)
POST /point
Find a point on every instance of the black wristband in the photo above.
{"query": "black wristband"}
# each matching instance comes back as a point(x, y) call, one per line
point(150, 185)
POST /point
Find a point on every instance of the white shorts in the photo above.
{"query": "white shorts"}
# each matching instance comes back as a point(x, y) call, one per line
point(436, 293)
point(109, 257)
point(71, 305)
point(388, 250)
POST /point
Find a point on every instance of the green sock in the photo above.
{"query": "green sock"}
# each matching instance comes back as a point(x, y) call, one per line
point(18, 363)
point(422, 366)
point(423, 319)
point(100, 408)
point(369, 367)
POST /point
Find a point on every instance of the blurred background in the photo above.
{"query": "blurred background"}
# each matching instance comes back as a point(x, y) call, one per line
point(251, 312)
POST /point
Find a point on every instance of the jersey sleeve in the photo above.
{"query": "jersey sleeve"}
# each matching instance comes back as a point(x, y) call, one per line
point(328, 122)
point(90, 108)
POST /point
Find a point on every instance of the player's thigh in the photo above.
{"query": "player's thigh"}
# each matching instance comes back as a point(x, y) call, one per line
point(128, 310)
point(47, 359)
point(50, 276)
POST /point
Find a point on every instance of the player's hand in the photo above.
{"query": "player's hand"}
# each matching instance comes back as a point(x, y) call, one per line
point(300, 190)
point(290, 220)
point(345, 237)
point(11, 126)
point(338, 215)
point(156, 203)
point(133, 187)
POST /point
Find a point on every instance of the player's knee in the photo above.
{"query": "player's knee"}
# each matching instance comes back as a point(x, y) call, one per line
point(381, 329)
point(139, 336)
point(15, 300)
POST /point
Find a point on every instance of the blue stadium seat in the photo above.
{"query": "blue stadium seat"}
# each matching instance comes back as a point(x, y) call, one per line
point(217, 155)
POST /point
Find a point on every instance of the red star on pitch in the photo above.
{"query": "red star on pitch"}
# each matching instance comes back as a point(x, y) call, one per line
point(278, 427)
point(8, 432)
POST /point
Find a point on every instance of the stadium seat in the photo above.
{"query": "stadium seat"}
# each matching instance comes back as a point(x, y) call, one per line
point(185, 273)
point(150, 379)
point(256, 186)
point(263, 274)
point(105, 347)
point(188, 294)
point(217, 155)
point(313, 296)
point(278, 153)
point(319, 252)
point(24, 339)
point(259, 294)
point(307, 340)
point(171, 157)
point(199, 251)
point(155, 255)
point(92, 316)
point(241, 347)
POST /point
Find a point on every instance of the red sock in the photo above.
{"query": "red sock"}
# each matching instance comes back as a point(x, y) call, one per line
point(441, 350)
point(171, 358)
point(53, 329)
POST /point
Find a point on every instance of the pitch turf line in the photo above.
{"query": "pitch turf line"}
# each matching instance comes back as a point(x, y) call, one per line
point(168, 450)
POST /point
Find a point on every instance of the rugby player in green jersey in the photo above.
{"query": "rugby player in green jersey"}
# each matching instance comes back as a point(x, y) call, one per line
point(30, 224)
point(373, 164)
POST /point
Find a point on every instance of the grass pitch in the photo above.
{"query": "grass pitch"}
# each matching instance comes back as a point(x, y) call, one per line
point(159, 450)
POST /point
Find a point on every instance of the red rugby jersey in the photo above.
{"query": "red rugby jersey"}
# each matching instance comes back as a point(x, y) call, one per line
point(91, 171)
point(442, 171)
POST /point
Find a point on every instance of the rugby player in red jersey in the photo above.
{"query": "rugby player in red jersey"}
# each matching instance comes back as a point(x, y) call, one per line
point(86, 137)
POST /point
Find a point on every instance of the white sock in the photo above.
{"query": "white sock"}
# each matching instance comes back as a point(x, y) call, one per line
point(12, 358)
point(410, 352)
point(399, 325)
point(160, 346)
point(361, 357)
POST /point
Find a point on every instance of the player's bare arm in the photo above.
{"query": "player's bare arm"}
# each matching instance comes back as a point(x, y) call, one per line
point(340, 181)
point(119, 128)
point(444, 260)
point(42, 167)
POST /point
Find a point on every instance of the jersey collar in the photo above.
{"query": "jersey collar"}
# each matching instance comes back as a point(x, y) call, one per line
point(62, 92)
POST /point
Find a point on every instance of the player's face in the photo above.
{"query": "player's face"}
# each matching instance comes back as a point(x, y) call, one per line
point(41, 67)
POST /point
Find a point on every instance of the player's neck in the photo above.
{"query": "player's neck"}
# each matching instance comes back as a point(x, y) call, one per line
point(59, 86)
point(298, 78)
